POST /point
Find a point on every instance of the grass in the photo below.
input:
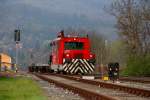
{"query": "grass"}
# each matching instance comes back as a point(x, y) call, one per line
point(20, 88)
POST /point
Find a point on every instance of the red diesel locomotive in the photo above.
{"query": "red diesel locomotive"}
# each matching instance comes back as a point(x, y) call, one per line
point(71, 55)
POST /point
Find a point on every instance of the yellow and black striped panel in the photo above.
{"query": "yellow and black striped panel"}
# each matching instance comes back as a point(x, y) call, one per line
point(78, 65)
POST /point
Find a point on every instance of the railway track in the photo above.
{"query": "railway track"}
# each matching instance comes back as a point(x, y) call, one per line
point(88, 95)
point(139, 85)
point(134, 79)
point(132, 90)
point(93, 90)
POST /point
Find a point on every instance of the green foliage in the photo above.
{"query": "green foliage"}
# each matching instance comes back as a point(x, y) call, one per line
point(138, 66)
point(117, 52)
point(19, 88)
point(132, 24)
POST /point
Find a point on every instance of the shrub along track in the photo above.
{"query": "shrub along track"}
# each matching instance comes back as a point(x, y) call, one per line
point(98, 88)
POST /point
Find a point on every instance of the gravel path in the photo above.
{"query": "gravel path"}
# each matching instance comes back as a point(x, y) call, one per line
point(56, 93)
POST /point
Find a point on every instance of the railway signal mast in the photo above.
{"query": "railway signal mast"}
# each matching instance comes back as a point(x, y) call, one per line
point(17, 40)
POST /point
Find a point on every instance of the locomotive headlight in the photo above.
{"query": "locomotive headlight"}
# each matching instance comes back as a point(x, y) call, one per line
point(110, 69)
point(67, 55)
point(67, 58)
point(116, 69)
point(91, 56)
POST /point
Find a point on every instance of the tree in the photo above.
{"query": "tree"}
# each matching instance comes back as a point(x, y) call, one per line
point(98, 47)
point(133, 24)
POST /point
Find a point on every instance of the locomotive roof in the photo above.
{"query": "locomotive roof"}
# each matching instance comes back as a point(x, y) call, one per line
point(75, 37)
point(59, 38)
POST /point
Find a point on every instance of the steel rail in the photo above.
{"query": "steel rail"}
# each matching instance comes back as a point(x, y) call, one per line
point(134, 80)
point(131, 90)
point(88, 95)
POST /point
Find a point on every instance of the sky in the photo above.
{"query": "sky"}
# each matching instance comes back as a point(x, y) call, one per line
point(50, 16)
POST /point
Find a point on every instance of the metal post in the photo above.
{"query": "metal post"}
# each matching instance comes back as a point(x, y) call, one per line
point(17, 39)
point(102, 64)
point(106, 54)
point(17, 44)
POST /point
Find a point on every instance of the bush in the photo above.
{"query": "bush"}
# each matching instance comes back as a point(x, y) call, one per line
point(138, 66)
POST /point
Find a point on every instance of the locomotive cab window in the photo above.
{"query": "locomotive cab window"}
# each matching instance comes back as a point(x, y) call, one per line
point(73, 45)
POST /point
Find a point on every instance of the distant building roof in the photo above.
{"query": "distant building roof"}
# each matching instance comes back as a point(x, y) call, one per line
point(4, 58)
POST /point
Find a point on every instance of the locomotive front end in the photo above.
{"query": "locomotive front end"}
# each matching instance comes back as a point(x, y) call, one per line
point(71, 55)
point(77, 57)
